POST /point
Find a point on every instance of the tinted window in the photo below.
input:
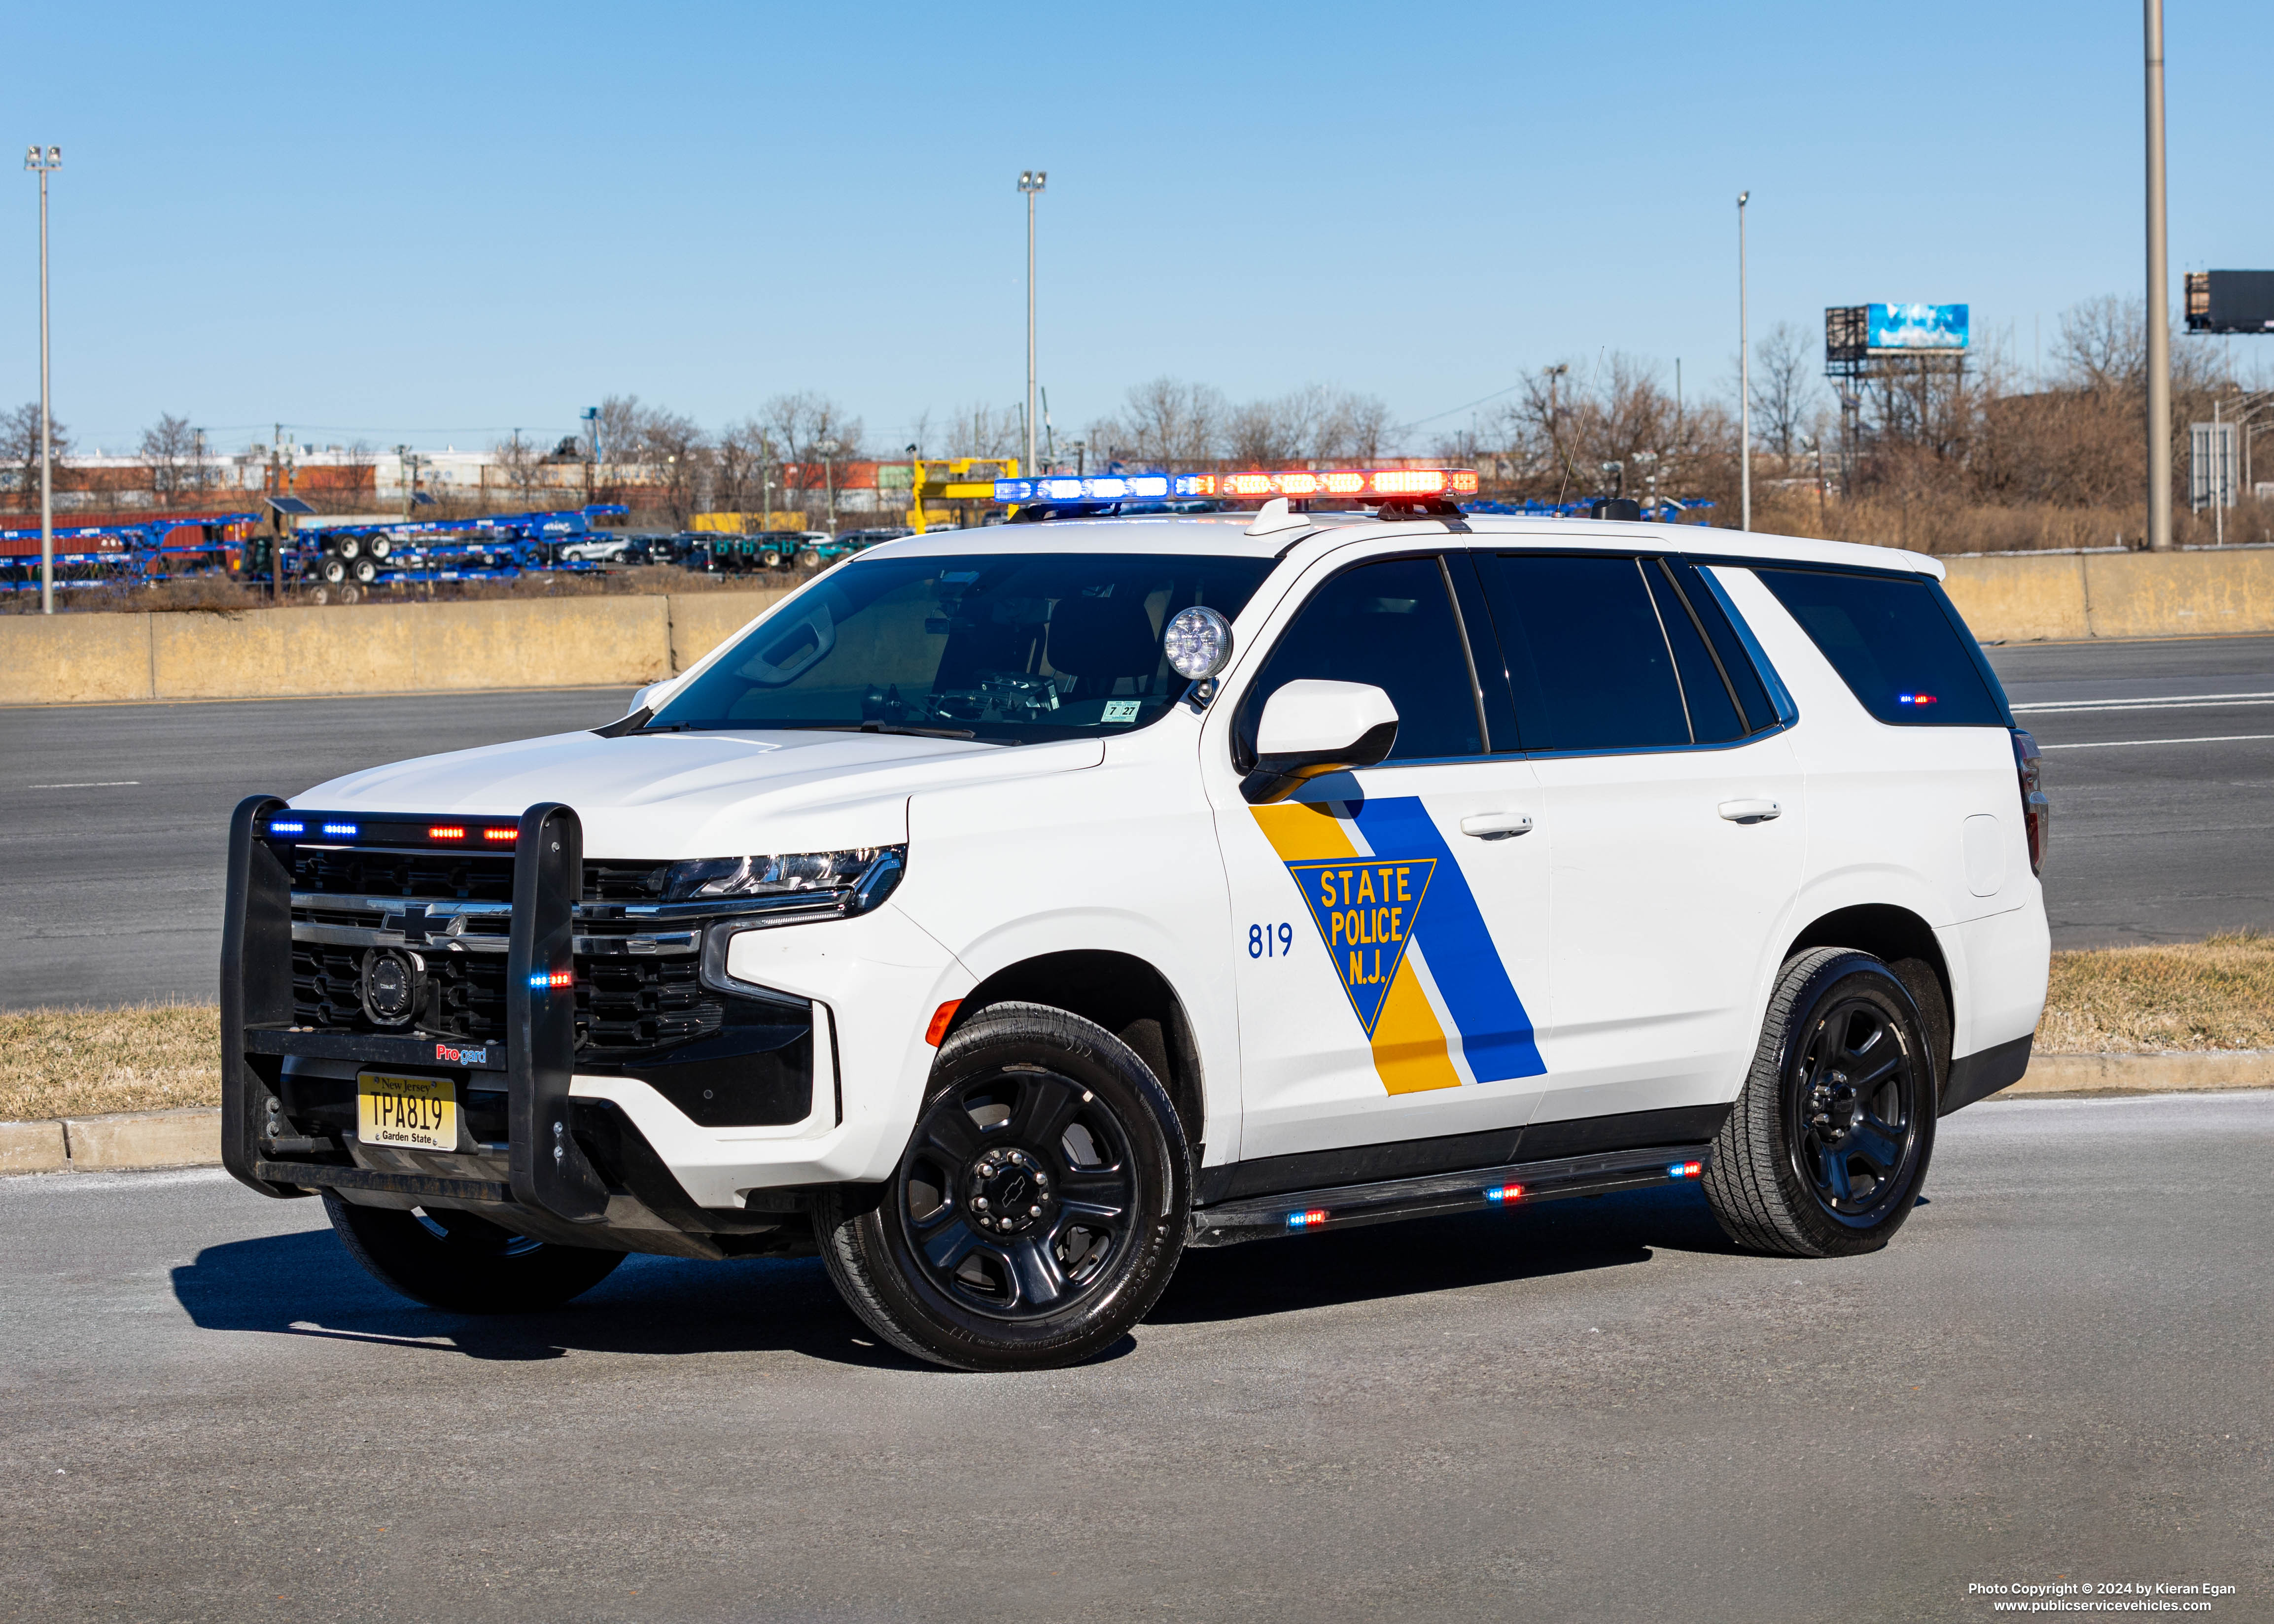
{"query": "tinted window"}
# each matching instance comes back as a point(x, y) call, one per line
point(1011, 646)
point(1713, 716)
point(1736, 662)
point(1391, 625)
point(1891, 640)
point(1589, 665)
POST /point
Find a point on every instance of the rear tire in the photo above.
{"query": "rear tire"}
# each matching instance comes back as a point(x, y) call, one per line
point(1826, 1149)
point(1038, 1211)
point(464, 1263)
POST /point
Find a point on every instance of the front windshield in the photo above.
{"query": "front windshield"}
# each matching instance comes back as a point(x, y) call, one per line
point(1016, 647)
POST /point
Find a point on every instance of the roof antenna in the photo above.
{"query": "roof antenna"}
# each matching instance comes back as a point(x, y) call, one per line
point(1276, 515)
point(1566, 486)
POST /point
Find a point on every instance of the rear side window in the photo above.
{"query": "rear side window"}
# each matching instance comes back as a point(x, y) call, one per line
point(1585, 652)
point(1901, 653)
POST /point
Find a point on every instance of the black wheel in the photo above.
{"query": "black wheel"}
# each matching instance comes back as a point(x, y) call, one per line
point(1824, 1154)
point(1038, 1211)
point(462, 1262)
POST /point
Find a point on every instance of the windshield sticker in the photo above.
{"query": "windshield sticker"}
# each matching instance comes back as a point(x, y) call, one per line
point(1120, 711)
point(1365, 912)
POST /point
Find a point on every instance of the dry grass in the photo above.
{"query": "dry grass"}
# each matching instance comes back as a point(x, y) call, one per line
point(2212, 994)
point(2215, 994)
point(75, 1063)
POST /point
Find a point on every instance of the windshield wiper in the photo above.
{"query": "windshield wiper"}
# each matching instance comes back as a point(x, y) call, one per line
point(914, 733)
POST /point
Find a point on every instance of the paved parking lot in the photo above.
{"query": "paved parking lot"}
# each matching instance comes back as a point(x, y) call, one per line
point(1590, 1410)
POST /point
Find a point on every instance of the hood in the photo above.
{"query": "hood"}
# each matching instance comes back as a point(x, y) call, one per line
point(702, 794)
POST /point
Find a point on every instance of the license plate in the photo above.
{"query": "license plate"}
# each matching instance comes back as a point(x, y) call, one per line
point(411, 1112)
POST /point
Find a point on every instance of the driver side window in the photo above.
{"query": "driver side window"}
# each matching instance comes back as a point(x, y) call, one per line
point(1391, 625)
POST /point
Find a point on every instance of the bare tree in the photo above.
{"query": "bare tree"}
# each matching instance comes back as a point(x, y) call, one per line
point(798, 426)
point(19, 445)
point(740, 464)
point(1164, 423)
point(524, 463)
point(1785, 388)
point(620, 428)
point(169, 449)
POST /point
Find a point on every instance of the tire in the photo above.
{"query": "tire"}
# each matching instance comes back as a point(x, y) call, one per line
point(366, 572)
point(1827, 1146)
point(464, 1263)
point(333, 572)
point(351, 593)
point(381, 547)
point(348, 548)
point(809, 559)
point(1027, 1107)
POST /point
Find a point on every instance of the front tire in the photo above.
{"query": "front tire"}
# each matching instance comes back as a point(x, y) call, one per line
point(1038, 1211)
point(464, 1263)
point(1826, 1149)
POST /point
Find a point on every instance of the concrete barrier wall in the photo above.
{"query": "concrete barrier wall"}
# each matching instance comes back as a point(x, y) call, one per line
point(2022, 598)
point(587, 642)
point(378, 649)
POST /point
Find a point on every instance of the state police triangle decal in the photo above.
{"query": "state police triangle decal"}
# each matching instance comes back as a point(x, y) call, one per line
point(1365, 908)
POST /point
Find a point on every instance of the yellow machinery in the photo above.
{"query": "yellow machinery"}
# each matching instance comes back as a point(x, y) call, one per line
point(961, 480)
point(744, 523)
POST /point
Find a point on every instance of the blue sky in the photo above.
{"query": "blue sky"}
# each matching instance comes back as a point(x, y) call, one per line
point(432, 223)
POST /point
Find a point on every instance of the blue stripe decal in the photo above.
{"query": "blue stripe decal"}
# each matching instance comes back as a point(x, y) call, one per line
point(1495, 1031)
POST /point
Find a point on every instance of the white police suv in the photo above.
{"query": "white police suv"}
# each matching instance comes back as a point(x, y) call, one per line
point(1006, 911)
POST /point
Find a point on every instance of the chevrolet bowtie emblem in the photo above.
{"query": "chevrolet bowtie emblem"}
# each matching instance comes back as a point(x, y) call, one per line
point(411, 923)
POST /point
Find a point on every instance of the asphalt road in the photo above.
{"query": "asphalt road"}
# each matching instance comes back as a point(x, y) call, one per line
point(1590, 1410)
point(2160, 763)
point(113, 818)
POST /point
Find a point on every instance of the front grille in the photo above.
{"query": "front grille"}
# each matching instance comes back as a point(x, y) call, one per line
point(628, 1006)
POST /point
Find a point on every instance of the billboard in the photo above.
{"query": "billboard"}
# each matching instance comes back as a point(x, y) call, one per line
point(1907, 330)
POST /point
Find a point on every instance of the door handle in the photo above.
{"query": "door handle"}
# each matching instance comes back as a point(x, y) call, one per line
point(1750, 811)
point(1496, 825)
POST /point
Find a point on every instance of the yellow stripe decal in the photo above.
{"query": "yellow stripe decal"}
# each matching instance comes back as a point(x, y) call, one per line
point(1409, 1042)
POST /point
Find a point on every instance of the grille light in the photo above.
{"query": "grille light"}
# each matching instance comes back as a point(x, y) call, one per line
point(344, 831)
point(1685, 1170)
point(446, 831)
point(283, 826)
point(500, 834)
point(556, 978)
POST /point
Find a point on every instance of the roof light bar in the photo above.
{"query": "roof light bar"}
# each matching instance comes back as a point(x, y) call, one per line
point(446, 831)
point(346, 831)
point(286, 826)
point(1386, 482)
point(501, 834)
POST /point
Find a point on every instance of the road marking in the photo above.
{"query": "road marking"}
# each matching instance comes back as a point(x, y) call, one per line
point(103, 784)
point(2171, 702)
point(2117, 744)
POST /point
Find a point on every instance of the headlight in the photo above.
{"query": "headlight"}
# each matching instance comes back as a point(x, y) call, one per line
point(869, 872)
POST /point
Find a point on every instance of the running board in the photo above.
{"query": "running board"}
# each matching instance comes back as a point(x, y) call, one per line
point(1516, 1183)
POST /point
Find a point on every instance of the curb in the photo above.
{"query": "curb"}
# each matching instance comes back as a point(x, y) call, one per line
point(190, 1137)
point(2170, 1073)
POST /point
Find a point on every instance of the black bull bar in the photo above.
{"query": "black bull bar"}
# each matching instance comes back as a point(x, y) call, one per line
point(549, 1171)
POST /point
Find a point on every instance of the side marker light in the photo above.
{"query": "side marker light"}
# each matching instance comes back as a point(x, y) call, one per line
point(1306, 1221)
point(940, 1017)
point(1506, 1194)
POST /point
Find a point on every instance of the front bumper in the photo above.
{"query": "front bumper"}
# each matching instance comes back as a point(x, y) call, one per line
point(613, 1153)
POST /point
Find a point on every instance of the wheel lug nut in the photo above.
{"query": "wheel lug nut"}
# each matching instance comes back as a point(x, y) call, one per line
point(980, 1203)
point(1034, 1212)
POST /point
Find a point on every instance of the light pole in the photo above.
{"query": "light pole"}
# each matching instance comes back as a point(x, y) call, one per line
point(2159, 306)
point(1030, 182)
point(43, 164)
point(828, 448)
point(1745, 382)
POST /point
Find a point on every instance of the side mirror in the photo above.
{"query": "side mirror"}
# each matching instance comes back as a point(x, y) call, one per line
point(1313, 727)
